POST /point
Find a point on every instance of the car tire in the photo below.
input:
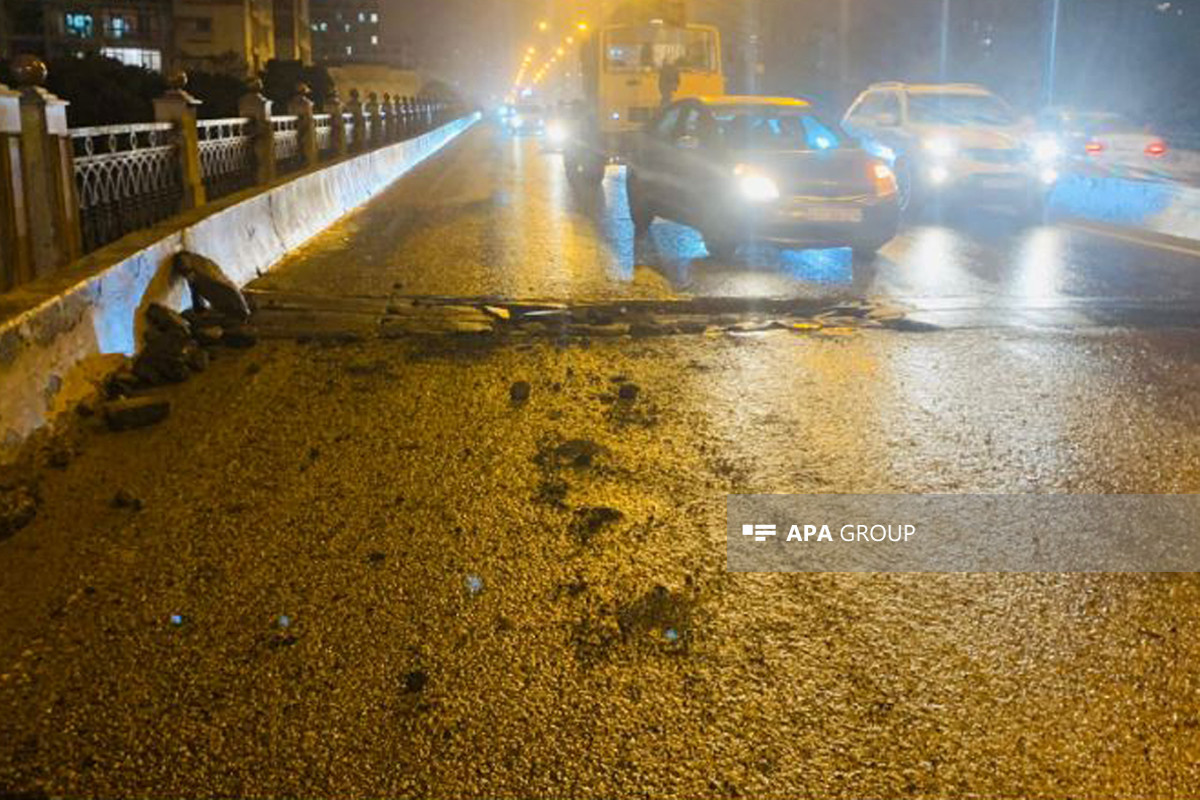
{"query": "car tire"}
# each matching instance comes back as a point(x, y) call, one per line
point(640, 210)
point(720, 246)
point(584, 169)
point(907, 196)
point(865, 251)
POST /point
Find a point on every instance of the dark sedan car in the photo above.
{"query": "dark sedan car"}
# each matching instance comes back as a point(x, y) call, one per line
point(743, 169)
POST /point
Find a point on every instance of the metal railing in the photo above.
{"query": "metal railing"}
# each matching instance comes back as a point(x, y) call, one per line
point(126, 178)
point(323, 125)
point(285, 142)
point(87, 187)
point(226, 155)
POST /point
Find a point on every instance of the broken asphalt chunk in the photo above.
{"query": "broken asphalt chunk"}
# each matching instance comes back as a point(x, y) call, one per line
point(210, 284)
point(135, 412)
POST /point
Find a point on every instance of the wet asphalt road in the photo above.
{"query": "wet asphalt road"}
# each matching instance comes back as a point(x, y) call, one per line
point(495, 216)
point(361, 570)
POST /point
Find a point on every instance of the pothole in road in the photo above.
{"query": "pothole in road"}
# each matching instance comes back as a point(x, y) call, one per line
point(657, 622)
point(454, 326)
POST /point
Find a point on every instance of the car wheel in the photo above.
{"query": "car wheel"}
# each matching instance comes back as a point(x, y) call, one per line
point(640, 210)
point(575, 163)
point(584, 169)
point(865, 251)
point(720, 246)
point(906, 188)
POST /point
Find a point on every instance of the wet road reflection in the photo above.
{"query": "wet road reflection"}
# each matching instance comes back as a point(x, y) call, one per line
point(495, 215)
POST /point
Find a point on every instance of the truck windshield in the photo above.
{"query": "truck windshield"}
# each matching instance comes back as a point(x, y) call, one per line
point(651, 48)
point(774, 128)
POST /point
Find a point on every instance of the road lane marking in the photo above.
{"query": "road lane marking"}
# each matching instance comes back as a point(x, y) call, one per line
point(1134, 237)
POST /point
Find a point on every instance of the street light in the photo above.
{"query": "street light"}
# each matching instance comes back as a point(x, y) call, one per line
point(543, 26)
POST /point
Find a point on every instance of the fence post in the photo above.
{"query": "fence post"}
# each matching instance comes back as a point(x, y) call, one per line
point(46, 167)
point(333, 107)
point(389, 118)
point(372, 113)
point(301, 105)
point(355, 107)
point(179, 107)
point(14, 225)
point(258, 108)
point(426, 116)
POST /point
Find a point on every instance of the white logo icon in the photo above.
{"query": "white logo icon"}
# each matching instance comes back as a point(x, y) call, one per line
point(759, 532)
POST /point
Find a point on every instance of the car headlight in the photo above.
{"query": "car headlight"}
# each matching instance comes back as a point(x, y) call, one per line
point(755, 186)
point(941, 146)
point(556, 131)
point(1046, 151)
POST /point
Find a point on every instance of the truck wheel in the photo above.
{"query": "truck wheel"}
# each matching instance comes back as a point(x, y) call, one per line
point(640, 210)
point(720, 246)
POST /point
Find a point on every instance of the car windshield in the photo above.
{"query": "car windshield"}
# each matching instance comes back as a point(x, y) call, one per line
point(945, 108)
point(651, 48)
point(1104, 123)
point(774, 128)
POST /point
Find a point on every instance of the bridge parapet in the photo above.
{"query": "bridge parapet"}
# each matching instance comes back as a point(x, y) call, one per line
point(67, 192)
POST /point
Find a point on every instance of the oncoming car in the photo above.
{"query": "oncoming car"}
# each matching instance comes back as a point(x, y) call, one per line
point(956, 141)
point(527, 119)
point(767, 169)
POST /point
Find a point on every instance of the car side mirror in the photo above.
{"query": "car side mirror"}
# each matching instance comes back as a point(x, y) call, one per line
point(887, 120)
point(688, 142)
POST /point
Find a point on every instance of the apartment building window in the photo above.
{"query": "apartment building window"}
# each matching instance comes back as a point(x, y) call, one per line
point(80, 25)
point(135, 56)
point(118, 27)
point(374, 39)
point(362, 16)
point(374, 17)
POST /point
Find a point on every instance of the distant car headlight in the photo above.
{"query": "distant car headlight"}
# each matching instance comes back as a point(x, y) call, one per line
point(556, 131)
point(1046, 151)
point(517, 121)
point(941, 146)
point(755, 186)
point(939, 175)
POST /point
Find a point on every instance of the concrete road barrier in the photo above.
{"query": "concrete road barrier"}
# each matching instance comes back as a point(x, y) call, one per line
point(1153, 205)
point(60, 337)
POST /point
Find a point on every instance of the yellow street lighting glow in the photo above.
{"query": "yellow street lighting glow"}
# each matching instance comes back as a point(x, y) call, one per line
point(561, 52)
point(583, 26)
point(531, 50)
point(543, 26)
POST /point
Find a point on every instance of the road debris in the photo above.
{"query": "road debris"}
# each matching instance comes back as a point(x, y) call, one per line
point(135, 412)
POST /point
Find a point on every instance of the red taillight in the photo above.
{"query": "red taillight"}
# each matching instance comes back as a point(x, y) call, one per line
point(1156, 149)
point(1094, 148)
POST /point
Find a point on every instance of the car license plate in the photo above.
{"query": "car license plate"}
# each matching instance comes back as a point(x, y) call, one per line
point(827, 214)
